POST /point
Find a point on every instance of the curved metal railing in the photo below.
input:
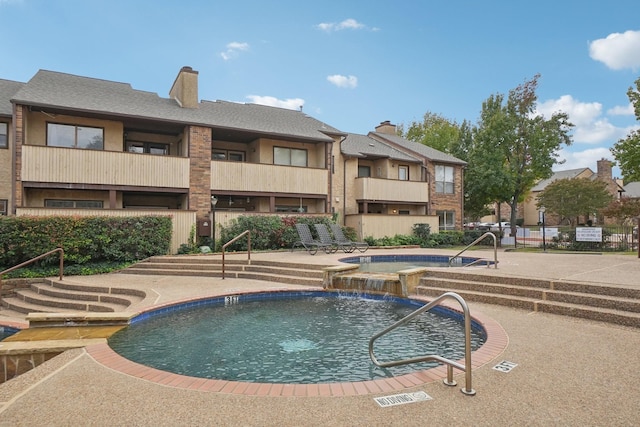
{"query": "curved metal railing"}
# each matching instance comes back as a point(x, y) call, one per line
point(468, 390)
point(475, 242)
point(233, 240)
point(32, 260)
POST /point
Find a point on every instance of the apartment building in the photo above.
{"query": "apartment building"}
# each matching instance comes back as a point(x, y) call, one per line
point(73, 145)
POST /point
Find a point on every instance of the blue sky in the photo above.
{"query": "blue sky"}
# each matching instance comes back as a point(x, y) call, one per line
point(351, 64)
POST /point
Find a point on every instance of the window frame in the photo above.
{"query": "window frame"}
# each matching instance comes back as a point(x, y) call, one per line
point(364, 168)
point(227, 155)
point(75, 204)
point(443, 225)
point(4, 207)
point(290, 151)
point(76, 128)
point(4, 142)
point(442, 185)
point(147, 147)
point(406, 175)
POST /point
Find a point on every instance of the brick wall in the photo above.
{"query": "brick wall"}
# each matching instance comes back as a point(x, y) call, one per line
point(200, 170)
point(446, 202)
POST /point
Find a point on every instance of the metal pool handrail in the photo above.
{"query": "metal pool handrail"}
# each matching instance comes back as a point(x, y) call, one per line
point(478, 240)
point(60, 270)
point(468, 390)
point(233, 240)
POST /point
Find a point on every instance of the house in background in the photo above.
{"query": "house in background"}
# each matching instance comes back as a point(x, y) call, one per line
point(72, 145)
point(604, 174)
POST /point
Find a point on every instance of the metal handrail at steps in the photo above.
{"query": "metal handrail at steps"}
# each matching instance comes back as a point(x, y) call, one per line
point(32, 260)
point(468, 390)
point(247, 232)
point(475, 242)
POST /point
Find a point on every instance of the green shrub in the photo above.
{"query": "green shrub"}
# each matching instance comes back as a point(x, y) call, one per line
point(84, 239)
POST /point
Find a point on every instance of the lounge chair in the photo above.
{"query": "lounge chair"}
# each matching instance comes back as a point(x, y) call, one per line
point(308, 242)
point(325, 237)
point(340, 237)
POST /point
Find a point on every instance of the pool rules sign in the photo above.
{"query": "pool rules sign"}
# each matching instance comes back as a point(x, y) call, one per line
point(589, 234)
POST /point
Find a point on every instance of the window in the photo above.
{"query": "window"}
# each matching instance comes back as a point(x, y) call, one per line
point(289, 156)
point(148, 148)
point(232, 156)
point(291, 209)
point(364, 171)
point(71, 136)
point(446, 220)
point(403, 212)
point(3, 207)
point(78, 204)
point(403, 173)
point(444, 179)
point(3, 135)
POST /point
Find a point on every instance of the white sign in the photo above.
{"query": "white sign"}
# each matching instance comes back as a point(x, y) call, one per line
point(551, 232)
point(588, 234)
point(505, 366)
point(401, 399)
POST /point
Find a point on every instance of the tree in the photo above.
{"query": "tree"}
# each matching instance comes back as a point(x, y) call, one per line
point(627, 151)
point(624, 210)
point(514, 147)
point(434, 131)
point(571, 198)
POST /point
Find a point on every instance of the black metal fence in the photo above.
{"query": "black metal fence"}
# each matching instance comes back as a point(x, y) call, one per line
point(594, 239)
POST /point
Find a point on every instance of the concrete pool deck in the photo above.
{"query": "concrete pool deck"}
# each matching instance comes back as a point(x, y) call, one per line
point(569, 371)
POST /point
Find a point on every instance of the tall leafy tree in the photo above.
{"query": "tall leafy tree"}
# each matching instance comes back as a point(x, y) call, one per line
point(514, 146)
point(571, 198)
point(627, 151)
point(624, 210)
point(434, 131)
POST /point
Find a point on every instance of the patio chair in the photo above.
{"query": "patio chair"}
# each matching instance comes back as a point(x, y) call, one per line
point(325, 237)
point(340, 237)
point(307, 241)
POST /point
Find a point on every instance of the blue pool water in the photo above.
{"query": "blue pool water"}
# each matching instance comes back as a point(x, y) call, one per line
point(290, 337)
point(6, 332)
point(394, 263)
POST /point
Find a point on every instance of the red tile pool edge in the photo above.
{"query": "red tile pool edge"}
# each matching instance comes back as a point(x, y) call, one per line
point(496, 343)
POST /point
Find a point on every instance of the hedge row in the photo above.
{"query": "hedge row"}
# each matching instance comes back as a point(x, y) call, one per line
point(84, 239)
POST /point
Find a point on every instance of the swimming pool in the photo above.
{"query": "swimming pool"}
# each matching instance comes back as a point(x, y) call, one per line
point(395, 263)
point(305, 337)
point(6, 332)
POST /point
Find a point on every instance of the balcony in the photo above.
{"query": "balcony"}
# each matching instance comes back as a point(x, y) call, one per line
point(65, 165)
point(391, 190)
point(254, 177)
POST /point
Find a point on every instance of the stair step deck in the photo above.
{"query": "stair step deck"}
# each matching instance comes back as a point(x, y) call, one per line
point(508, 300)
point(21, 306)
point(62, 303)
point(46, 290)
point(280, 279)
point(172, 272)
point(237, 267)
point(553, 307)
point(207, 260)
point(592, 300)
point(495, 288)
point(500, 280)
point(131, 293)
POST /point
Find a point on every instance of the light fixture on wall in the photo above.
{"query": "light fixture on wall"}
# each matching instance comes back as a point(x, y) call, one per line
point(230, 201)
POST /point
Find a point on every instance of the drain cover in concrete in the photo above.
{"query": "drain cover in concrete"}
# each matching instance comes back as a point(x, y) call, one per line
point(401, 399)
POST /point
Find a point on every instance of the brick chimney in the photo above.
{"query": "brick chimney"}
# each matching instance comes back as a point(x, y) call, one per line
point(605, 168)
point(386, 127)
point(185, 88)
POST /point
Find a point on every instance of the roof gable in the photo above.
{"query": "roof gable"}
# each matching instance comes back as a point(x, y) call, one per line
point(422, 150)
point(567, 174)
point(8, 89)
point(363, 146)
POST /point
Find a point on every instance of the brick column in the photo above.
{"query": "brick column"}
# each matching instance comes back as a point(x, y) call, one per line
point(200, 171)
point(18, 133)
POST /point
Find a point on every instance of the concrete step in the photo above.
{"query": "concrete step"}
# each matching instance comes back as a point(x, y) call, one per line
point(60, 304)
point(611, 315)
point(47, 290)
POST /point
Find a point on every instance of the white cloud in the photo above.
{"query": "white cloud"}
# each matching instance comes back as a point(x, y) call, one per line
point(291, 103)
point(590, 127)
point(583, 159)
point(618, 50)
point(349, 82)
point(347, 24)
point(620, 110)
point(233, 50)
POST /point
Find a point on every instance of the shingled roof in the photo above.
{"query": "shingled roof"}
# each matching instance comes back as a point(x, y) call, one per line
point(8, 89)
point(567, 174)
point(356, 145)
point(421, 149)
point(75, 93)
